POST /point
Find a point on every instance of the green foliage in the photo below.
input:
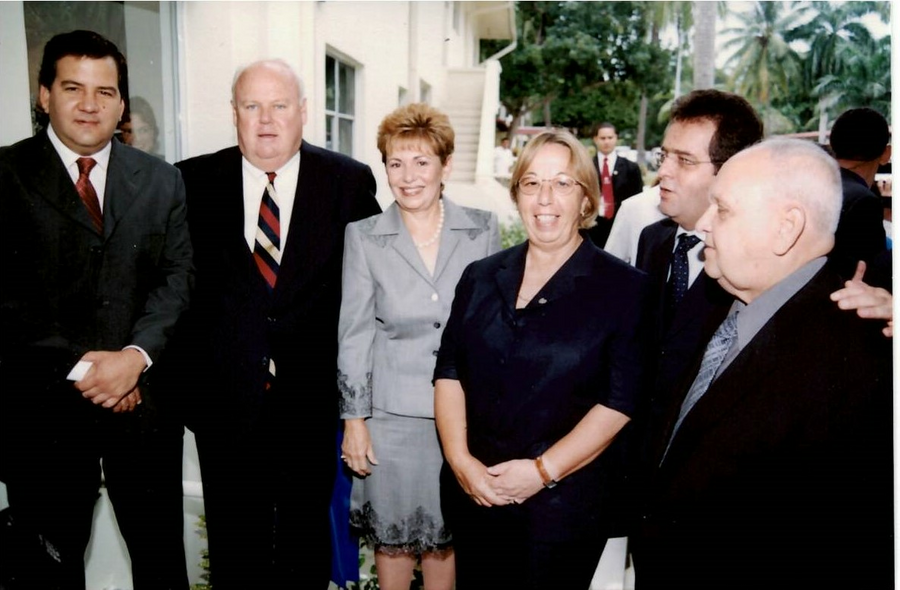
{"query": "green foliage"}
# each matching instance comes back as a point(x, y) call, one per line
point(204, 556)
point(512, 233)
point(586, 62)
point(802, 62)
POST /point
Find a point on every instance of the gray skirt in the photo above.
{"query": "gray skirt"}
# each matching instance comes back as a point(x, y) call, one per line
point(397, 508)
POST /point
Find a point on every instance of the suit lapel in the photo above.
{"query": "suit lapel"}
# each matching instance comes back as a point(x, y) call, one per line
point(301, 245)
point(509, 278)
point(391, 224)
point(122, 181)
point(457, 222)
point(741, 378)
point(48, 178)
point(658, 267)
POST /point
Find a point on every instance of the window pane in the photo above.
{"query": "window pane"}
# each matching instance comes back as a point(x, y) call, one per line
point(347, 92)
point(330, 89)
point(135, 29)
point(329, 136)
point(346, 136)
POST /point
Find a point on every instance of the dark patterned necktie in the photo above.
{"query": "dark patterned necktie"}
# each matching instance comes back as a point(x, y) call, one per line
point(677, 284)
point(267, 250)
point(87, 193)
point(713, 357)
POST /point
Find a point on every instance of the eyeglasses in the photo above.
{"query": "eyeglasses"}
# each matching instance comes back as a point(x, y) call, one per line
point(681, 161)
point(560, 185)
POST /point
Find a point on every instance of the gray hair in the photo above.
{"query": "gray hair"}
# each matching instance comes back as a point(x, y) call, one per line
point(803, 171)
point(274, 63)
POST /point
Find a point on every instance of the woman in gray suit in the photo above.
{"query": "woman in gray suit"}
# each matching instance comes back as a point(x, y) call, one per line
point(400, 273)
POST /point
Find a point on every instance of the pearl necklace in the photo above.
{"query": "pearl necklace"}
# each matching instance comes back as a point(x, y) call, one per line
point(437, 232)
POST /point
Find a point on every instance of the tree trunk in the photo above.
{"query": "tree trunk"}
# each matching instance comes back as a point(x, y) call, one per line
point(823, 122)
point(678, 57)
point(547, 122)
point(704, 44)
point(641, 130)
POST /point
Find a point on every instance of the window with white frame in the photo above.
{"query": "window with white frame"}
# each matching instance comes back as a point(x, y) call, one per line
point(340, 105)
point(143, 32)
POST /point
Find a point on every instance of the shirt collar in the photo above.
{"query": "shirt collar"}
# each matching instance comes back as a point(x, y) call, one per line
point(254, 172)
point(754, 316)
point(680, 230)
point(69, 157)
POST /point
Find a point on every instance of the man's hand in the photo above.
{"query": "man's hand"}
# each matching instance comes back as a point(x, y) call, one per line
point(112, 376)
point(129, 402)
point(868, 301)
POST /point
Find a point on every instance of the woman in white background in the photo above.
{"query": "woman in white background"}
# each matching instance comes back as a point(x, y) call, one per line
point(400, 273)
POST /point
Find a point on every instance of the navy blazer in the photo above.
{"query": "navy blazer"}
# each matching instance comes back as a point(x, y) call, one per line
point(394, 310)
point(68, 289)
point(236, 325)
point(530, 375)
point(781, 474)
point(703, 308)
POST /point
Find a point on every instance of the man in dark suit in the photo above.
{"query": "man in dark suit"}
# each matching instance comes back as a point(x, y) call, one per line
point(97, 267)
point(706, 128)
point(620, 178)
point(860, 140)
point(774, 469)
point(267, 221)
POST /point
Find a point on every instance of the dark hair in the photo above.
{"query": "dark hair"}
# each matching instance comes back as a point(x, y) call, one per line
point(604, 125)
point(80, 44)
point(737, 124)
point(860, 135)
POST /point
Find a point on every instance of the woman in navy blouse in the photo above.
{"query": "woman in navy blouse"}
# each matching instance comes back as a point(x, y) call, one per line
point(539, 370)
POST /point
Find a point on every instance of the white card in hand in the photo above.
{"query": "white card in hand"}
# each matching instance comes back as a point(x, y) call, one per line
point(79, 370)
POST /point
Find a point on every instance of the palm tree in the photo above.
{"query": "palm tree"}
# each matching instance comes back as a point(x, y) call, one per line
point(704, 45)
point(844, 63)
point(764, 65)
point(659, 15)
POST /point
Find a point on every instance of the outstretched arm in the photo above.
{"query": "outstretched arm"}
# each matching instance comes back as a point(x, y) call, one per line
point(868, 301)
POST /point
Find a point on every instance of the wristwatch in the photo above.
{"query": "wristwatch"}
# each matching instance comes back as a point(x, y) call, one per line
point(548, 481)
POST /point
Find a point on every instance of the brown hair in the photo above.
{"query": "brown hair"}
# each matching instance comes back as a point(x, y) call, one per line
point(413, 123)
point(582, 170)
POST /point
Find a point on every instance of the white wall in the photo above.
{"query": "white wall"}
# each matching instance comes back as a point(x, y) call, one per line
point(215, 39)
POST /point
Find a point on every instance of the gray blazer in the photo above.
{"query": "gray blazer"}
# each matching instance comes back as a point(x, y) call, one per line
point(393, 311)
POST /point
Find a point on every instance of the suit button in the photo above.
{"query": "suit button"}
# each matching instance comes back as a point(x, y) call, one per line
point(434, 352)
point(271, 320)
point(437, 324)
point(264, 362)
point(434, 296)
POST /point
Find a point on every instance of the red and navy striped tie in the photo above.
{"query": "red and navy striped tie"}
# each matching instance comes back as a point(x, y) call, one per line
point(267, 250)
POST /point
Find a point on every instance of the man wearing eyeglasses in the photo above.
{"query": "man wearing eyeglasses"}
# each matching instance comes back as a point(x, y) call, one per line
point(706, 128)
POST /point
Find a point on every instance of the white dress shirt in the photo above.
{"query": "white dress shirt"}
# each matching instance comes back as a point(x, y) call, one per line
point(70, 159)
point(695, 263)
point(255, 181)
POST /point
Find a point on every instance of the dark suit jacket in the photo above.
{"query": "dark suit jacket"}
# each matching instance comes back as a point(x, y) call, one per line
point(860, 232)
point(626, 179)
point(780, 476)
point(68, 289)
point(627, 182)
point(236, 326)
point(703, 308)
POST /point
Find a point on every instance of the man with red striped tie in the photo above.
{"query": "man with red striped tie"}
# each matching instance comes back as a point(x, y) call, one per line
point(267, 220)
